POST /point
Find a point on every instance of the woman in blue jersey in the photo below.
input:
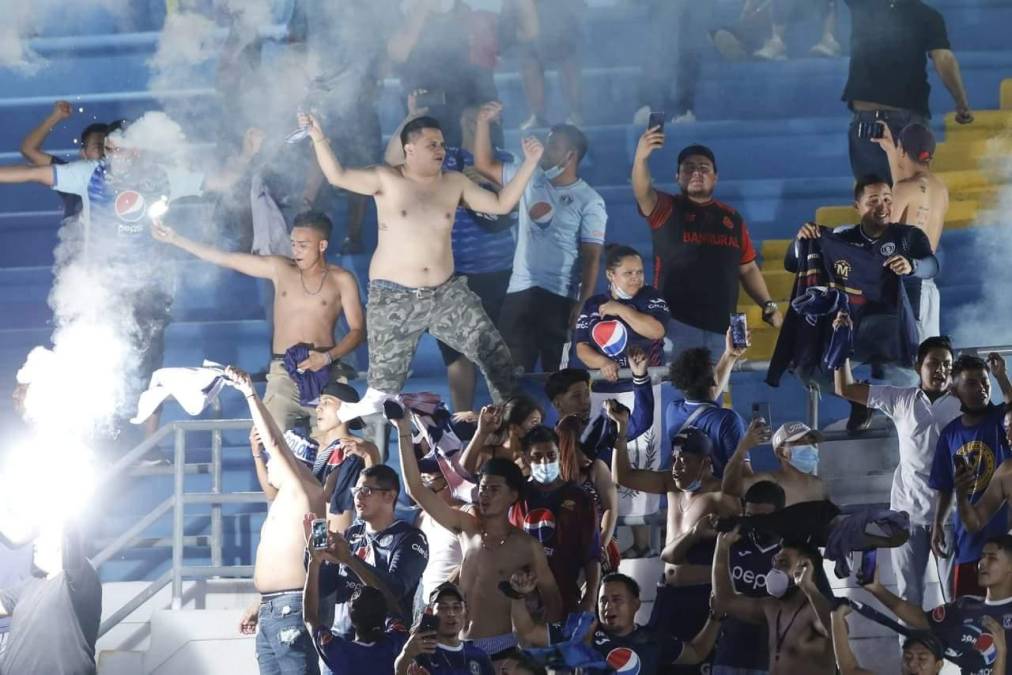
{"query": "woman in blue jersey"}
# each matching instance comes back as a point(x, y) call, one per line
point(631, 314)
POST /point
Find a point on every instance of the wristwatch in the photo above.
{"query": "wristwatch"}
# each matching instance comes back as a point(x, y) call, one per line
point(769, 307)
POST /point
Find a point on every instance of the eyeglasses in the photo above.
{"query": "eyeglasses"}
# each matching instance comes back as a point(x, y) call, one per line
point(366, 491)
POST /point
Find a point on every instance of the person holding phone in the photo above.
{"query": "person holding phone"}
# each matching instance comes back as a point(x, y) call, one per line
point(979, 442)
point(795, 445)
point(377, 637)
point(435, 645)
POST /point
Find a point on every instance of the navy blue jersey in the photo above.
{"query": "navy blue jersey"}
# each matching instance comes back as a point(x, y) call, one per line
point(348, 468)
point(397, 555)
point(349, 657)
point(741, 644)
point(958, 625)
point(466, 660)
point(723, 426)
point(641, 652)
point(482, 242)
point(983, 447)
point(612, 336)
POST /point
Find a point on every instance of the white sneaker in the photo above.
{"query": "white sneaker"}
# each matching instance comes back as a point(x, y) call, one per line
point(773, 50)
point(827, 47)
point(533, 122)
point(687, 117)
point(641, 117)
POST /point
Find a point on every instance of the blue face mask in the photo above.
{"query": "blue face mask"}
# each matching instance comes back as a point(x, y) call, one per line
point(805, 458)
point(693, 486)
point(554, 172)
point(545, 473)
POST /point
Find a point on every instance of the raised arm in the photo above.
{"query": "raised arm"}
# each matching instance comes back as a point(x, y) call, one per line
point(996, 363)
point(976, 516)
point(485, 201)
point(360, 181)
point(489, 419)
point(259, 266)
point(725, 599)
point(738, 476)
point(912, 615)
point(444, 514)
point(846, 661)
point(531, 632)
point(642, 181)
point(948, 70)
point(845, 386)
point(484, 158)
point(27, 174)
point(644, 480)
point(270, 492)
point(31, 146)
point(725, 364)
point(311, 590)
point(402, 41)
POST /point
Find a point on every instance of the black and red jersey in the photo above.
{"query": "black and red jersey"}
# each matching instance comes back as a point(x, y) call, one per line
point(698, 252)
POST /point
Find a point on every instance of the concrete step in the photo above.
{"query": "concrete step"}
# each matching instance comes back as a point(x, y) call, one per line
point(1005, 98)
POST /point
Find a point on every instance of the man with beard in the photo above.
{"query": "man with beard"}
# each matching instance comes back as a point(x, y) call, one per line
point(693, 496)
point(796, 610)
point(412, 288)
point(970, 456)
point(492, 548)
point(919, 414)
point(310, 295)
point(702, 248)
point(560, 237)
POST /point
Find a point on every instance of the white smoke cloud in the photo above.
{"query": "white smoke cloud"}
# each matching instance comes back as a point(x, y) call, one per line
point(988, 322)
point(25, 20)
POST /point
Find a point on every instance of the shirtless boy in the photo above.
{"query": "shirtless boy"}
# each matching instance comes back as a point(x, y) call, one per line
point(921, 199)
point(279, 572)
point(492, 548)
point(309, 297)
point(412, 288)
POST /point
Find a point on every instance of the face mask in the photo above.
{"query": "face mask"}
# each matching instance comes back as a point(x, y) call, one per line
point(777, 583)
point(554, 172)
point(619, 293)
point(805, 458)
point(693, 486)
point(545, 473)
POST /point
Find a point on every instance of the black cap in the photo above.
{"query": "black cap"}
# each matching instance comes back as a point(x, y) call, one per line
point(346, 394)
point(697, 149)
point(693, 441)
point(444, 588)
point(918, 142)
point(928, 640)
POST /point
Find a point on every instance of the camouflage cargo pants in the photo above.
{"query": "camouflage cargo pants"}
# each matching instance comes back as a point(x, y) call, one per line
point(397, 316)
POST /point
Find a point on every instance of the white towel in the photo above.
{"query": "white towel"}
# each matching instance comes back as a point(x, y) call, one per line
point(270, 231)
point(193, 388)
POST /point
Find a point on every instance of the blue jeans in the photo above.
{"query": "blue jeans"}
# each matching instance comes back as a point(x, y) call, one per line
point(284, 645)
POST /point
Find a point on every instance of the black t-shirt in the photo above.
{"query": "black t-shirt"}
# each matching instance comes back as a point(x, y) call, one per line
point(54, 621)
point(641, 651)
point(698, 252)
point(889, 42)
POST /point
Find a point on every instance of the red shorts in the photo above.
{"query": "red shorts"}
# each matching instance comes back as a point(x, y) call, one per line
point(964, 581)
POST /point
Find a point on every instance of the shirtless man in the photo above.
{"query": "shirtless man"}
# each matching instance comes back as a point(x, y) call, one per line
point(794, 445)
point(279, 573)
point(797, 611)
point(309, 297)
point(920, 199)
point(492, 548)
point(682, 604)
point(412, 288)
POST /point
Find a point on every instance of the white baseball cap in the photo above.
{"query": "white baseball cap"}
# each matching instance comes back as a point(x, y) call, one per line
point(793, 431)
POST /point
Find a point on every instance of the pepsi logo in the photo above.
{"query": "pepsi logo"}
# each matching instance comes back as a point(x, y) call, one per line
point(984, 644)
point(541, 214)
point(540, 524)
point(130, 205)
point(624, 660)
point(611, 337)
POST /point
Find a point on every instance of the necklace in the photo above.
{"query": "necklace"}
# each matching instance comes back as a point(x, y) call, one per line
point(783, 636)
point(502, 540)
point(302, 280)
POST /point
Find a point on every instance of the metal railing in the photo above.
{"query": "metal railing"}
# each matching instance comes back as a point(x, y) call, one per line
point(176, 504)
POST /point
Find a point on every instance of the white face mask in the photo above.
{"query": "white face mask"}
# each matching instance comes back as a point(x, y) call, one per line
point(619, 293)
point(777, 582)
point(545, 473)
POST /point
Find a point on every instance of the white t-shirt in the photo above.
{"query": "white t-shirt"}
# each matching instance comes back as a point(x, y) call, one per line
point(918, 422)
point(445, 554)
point(554, 221)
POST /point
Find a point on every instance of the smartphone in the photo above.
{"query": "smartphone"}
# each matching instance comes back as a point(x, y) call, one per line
point(656, 120)
point(319, 534)
point(431, 99)
point(428, 622)
point(866, 570)
point(739, 330)
point(761, 411)
point(870, 130)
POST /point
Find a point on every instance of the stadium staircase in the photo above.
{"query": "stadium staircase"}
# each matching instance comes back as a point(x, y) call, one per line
point(779, 132)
